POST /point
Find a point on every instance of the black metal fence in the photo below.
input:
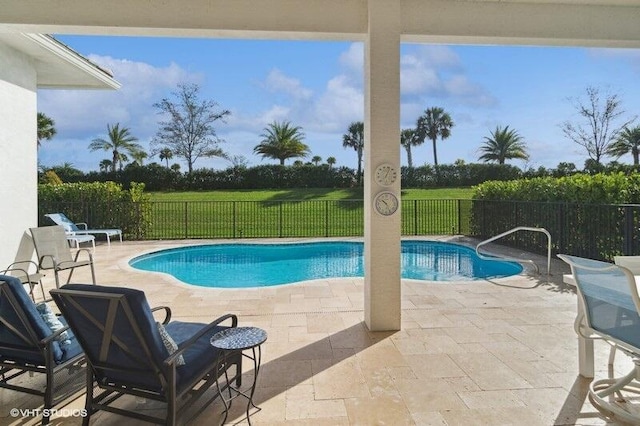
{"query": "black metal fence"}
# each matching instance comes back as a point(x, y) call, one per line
point(595, 231)
point(589, 230)
point(273, 219)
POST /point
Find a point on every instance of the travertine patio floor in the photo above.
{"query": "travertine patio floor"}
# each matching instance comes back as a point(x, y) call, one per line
point(474, 353)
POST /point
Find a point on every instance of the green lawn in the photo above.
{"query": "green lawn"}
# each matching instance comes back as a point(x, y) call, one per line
point(305, 194)
point(296, 213)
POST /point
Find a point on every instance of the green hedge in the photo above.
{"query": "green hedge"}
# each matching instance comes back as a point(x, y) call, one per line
point(99, 204)
point(615, 188)
point(590, 216)
point(160, 178)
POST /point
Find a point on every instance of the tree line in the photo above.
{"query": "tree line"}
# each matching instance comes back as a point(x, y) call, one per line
point(187, 131)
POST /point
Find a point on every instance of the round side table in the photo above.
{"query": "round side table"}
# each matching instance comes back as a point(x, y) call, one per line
point(232, 341)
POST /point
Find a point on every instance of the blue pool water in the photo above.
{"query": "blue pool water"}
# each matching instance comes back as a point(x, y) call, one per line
point(261, 265)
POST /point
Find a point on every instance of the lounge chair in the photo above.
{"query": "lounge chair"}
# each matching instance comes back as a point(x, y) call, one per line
point(81, 228)
point(28, 273)
point(76, 239)
point(53, 252)
point(129, 353)
point(632, 263)
point(611, 306)
point(35, 342)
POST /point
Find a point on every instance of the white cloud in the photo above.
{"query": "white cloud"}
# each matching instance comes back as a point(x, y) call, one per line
point(77, 112)
point(416, 80)
point(277, 81)
point(435, 73)
point(459, 86)
point(82, 115)
point(275, 113)
point(353, 59)
point(339, 105)
point(439, 56)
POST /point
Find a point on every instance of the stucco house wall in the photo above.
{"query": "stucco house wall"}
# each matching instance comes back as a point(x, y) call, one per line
point(18, 153)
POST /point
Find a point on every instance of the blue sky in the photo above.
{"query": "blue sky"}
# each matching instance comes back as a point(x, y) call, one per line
point(319, 87)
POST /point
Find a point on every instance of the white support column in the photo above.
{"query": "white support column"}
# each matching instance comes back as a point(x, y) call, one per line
point(18, 152)
point(382, 145)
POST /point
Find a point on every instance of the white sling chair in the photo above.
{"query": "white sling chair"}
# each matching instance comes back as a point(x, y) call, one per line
point(611, 311)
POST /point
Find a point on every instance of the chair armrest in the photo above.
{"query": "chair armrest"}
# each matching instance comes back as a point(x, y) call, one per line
point(187, 343)
point(83, 250)
point(15, 265)
point(167, 313)
point(10, 269)
point(53, 259)
point(53, 336)
point(82, 225)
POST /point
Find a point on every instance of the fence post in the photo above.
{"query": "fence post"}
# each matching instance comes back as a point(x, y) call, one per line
point(326, 218)
point(459, 203)
point(234, 219)
point(560, 227)
point(415, 217)
point(281, 219)
point(186, 226)
point(628, 231)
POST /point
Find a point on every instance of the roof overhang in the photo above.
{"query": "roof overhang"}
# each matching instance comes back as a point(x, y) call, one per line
point(57, 65)
point(604, 23)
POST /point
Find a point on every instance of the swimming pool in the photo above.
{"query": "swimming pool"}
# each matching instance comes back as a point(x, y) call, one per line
point(262, 265)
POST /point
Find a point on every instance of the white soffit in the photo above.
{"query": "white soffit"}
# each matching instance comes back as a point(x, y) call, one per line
point(57, 65)
point(605, 23)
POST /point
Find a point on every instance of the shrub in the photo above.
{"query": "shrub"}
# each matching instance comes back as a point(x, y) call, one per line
point(586, 215)
point(615, 188)
point(99, 204)
point(51, 177)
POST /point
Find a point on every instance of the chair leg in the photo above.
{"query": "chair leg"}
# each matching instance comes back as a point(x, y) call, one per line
point(612, 354)
point(601, 395)
point(69, 277)
point(48, 396)
point(171, 410)
point(93, 274)
point(88, 401)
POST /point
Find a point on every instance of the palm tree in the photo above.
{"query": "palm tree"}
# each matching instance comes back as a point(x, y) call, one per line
point(355, 139)
point(166, 154)
point(139, 156)
point(46, 129)
point(331, 161)
point(282, 141)
point(503, 144)
point(432, 124)
point(628, 141)
point(105, 165)
point(120, 142)
point(316, 159)
point(409, 138)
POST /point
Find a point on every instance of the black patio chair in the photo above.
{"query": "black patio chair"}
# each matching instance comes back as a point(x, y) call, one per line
point(29, 344)
point(128, 352)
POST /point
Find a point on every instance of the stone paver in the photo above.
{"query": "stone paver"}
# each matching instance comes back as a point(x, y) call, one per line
point(485, 352)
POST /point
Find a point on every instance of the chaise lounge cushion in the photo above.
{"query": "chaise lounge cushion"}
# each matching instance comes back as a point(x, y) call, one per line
point(200, 355)
point(197, 358)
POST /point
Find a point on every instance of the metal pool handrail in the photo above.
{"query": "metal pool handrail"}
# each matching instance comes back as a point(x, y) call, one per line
point(511, 231)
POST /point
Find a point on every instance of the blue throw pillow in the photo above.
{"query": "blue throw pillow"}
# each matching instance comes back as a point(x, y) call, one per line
point(53, 322)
